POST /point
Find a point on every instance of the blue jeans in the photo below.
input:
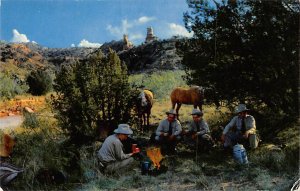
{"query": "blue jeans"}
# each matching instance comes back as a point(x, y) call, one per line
point(232, 138)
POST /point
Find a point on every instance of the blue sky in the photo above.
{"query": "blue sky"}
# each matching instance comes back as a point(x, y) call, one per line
point(66, 23)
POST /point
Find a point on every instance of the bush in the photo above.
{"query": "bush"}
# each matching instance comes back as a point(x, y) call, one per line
point(10, 86)
point(30, 120)
point(40, 82)
point(37, 149)
point(93, 96)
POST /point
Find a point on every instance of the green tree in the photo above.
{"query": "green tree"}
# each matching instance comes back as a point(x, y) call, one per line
point(40, 82)
point(92, 94)
point(11, 85)
point(247, 51)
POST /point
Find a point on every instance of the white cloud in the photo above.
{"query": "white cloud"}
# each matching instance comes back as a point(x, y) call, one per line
point(73, 45)
point(127, 26)
point(144, 19)
point(17, 37)
point(118, 31)
point(85, 43)
point(180, 30)
point(33, 42)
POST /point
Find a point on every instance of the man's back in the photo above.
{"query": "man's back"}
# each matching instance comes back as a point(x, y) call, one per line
point(108, 149)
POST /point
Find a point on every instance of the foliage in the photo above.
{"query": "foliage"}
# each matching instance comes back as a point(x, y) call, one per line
point(10, 86)
point(246, 51)
point(30, 120)
point(284, 155)
point(161, 83)
point(92, 94)
point(38, 148)
point(40, 82)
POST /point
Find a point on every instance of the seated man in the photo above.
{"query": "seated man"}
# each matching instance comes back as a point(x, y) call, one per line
point(199, 131)
point(243, 130)
point(111, 154)
point(168, 132)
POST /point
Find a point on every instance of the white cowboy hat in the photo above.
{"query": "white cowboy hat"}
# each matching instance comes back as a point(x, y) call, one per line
point(197, 112)
point(240, 108)
point(172, 111)
point(123, 129)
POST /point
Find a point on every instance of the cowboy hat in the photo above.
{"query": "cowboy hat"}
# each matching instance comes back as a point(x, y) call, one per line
point(172, 111)
point(240, 108)
point(197, 112)
point(123, 129)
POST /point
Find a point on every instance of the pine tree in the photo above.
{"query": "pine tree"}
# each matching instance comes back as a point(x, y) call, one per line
point(93, 94)
point(247, 51)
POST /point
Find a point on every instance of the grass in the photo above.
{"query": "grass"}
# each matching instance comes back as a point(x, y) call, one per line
point(161, 83)
point(43, 147)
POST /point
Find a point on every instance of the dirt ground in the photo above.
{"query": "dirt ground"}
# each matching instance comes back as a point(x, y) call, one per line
point(15, 106)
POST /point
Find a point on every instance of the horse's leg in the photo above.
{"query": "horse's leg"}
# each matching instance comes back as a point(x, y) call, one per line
point(173, 105)
point(148, 118)
point(140, 118)
point(144, 122)
point(198, 105)
point(177, 110)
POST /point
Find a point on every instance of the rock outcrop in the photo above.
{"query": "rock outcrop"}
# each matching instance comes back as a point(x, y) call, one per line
point(151, 56)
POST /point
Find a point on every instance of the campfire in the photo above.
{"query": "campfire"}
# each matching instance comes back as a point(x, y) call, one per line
point(156, 158)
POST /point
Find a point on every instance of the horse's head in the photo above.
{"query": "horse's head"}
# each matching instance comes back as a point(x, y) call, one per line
point(142, 99)
point(199, 90)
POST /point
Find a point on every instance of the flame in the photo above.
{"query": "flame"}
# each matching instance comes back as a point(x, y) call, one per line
point(155, 156)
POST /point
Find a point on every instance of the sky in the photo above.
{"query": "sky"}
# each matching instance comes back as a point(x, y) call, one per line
point(89, 23)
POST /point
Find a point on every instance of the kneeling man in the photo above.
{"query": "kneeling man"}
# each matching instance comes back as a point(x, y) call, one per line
point(168, 132)
point(241, 129)
point(111, 154)
point(199, 131)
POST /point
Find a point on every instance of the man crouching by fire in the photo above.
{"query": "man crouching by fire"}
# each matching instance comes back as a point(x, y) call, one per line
point(111, 155)
point(199, 131)
point(168, 133)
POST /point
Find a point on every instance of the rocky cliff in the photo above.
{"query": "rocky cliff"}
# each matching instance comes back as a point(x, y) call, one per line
point(156, 55)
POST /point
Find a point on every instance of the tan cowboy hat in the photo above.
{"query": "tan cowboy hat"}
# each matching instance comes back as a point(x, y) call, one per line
point(240, 108)
point(197, 112)
point(123, 129)
point(172, 111)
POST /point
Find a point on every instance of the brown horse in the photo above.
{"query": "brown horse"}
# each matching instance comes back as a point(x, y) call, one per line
point(144, 105)
point(191, 96)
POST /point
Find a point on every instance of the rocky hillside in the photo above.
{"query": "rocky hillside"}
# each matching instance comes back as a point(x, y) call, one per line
point(19, 60)
point(157, 55)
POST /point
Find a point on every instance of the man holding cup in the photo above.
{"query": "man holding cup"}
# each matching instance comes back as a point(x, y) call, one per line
point(111, 154)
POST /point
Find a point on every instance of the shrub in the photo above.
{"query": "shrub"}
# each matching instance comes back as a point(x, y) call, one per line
point(40, 82)
point(10, 86)
point(92, 94)
point(37, 149)
point(30, 120)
